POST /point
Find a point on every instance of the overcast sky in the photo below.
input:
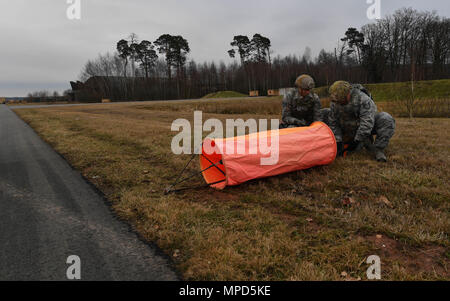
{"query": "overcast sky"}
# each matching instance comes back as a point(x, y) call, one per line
point(40, 48)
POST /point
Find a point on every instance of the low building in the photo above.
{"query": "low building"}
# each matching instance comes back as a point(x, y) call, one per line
point(254, 93)
point(285, 91)
point(273, 92)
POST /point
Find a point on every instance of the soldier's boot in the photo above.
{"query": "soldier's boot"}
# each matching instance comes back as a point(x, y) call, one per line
point(377, 152)
point(379, 155)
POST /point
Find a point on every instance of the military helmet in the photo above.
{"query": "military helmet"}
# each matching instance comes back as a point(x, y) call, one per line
point(339, 91)
point(305, 82)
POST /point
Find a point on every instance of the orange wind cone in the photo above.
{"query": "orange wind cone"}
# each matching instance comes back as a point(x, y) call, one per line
point(299, 148)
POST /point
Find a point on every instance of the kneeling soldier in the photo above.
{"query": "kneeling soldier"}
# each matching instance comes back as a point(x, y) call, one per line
point(301, 107)
point(354, 119)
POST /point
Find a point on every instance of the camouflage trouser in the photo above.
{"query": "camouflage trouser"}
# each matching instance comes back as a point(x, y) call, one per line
point(384, 127)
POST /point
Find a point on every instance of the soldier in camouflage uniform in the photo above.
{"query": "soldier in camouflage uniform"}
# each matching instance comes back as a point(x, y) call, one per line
point(354, 119)
point(301, 107)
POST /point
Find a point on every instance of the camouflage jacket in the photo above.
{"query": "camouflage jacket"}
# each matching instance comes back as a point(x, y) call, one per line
point(299, 110)
point(355, 120)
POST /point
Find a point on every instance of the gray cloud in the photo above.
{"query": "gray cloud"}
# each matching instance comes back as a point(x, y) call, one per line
point(41, 49)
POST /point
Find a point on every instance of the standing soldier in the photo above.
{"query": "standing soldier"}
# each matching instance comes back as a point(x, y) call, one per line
point(301, 107)
point(354, 120)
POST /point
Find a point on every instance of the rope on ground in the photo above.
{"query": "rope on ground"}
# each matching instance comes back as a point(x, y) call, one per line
point(171, 188)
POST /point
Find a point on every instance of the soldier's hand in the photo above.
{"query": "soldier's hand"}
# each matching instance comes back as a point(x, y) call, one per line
point(300, 122)
point(356, 146)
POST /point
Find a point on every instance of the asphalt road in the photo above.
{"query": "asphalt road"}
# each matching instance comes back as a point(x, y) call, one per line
point(48, 213)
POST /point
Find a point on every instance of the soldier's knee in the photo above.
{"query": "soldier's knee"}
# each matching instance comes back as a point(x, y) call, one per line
point(384, 129)
point(384, 117)
point(385, 121)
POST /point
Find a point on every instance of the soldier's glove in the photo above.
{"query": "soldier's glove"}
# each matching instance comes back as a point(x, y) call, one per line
point(356, 146)
point(368, 144)
point(300, 122)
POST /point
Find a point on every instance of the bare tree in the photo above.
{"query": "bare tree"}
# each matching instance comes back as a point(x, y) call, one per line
point(405, 46)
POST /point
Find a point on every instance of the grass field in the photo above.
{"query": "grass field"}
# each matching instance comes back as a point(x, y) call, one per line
point(387, 92)
point(318, 224)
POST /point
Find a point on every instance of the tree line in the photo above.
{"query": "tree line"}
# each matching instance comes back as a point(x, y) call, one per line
point(46, 96)
point(406, 46)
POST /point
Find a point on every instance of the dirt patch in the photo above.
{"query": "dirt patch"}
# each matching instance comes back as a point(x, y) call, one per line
point(290, 220)
point(428, 259)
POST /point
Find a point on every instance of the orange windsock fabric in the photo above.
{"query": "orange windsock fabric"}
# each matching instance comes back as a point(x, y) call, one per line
point(299, 148)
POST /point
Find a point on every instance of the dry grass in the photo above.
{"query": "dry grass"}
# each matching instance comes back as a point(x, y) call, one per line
point(427, 108)
point(384, 92)
point(248, 105)
point(291, 227)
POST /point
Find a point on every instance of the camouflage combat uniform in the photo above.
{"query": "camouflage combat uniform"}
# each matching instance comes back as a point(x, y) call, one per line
point(359, 120)
point(300, 111)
